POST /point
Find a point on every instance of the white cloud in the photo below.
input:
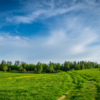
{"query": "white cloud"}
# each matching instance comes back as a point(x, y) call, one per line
point(39, 9)
point(71, 37)
point(56, 47)
point(44, 13)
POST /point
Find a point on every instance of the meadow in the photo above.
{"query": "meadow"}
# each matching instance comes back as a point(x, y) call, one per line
point(72, 85)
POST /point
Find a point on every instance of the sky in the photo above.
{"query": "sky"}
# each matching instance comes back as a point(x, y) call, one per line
point(50, 30)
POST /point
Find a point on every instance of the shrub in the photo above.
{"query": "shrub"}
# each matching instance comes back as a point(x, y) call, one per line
point(5, 68)
point(39, 72)
point(58, 71)
point(15, 71)
point(24, 71)
point(72, 69)
point(20, 68)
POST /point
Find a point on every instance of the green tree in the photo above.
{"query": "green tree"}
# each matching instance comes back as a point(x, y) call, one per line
point(58, 66)
point(15, 67)
point(27, 67)
point(31, 67)
point(50, 68)
point(0, 66)
point(45, 67)
point(23, 65)
point(39, 67)
point(83, 67)
point(66, 66)
point(35, 69)
point(77, 67)
point(96, 66)
point(3, 63)
point(9, 63)
point(17, 62)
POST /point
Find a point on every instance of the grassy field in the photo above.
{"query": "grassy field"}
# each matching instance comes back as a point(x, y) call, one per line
point(17, 86)
point(74, 85)
point(93, 76)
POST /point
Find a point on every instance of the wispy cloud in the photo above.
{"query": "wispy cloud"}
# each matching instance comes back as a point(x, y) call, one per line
point(74, 32)
point(56, 8)
point(37, 14)
point(56, 47)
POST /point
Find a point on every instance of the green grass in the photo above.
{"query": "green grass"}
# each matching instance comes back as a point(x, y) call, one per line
point(83, 89)
point(76, 85)
point(16, 86)
point(92, 75)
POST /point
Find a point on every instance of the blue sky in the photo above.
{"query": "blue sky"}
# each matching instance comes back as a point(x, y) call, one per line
point(50, 30)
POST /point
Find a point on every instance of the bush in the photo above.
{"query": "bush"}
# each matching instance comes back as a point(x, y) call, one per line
point(39, 72)
point(5, 68)
point(73, 69)
point(24, 71)
point(58, 71)
point(30, 71)
point(20, 68)
point(15, 71)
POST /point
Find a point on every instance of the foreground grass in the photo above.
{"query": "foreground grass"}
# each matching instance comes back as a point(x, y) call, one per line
point(19, 86)
point(72, 85)
point(92, 75)
point(83, 89)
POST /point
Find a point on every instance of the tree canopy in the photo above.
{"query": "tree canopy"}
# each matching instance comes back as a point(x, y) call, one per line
point(47, 68)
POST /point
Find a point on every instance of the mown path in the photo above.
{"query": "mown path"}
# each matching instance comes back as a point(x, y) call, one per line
point(95, 85)
point(64, 96)
point(82, 89)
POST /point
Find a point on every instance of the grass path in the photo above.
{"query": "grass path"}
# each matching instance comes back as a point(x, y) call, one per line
point(82, 90)
point(92, 78)
point(64, 96)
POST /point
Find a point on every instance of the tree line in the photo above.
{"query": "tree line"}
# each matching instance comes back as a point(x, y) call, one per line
point(47, 68)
